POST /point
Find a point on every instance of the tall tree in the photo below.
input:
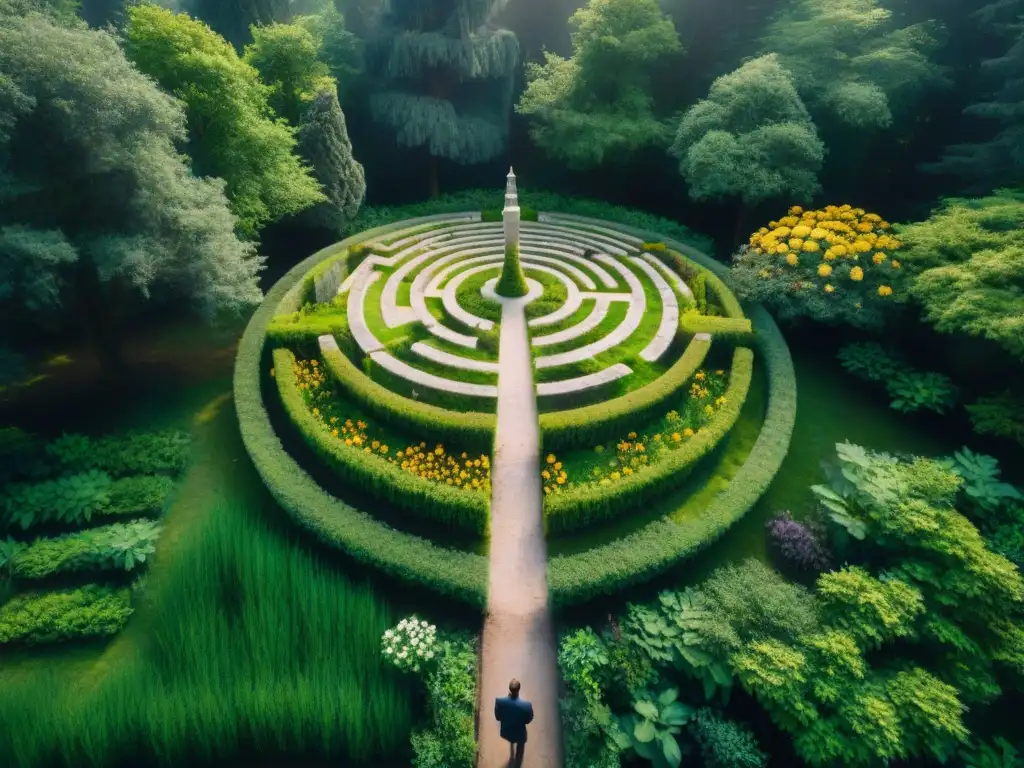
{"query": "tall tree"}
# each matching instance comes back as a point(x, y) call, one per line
point(1000, 160)
point(752, 139)
point(233, 133)
point(339, 48)
point(444, 78)
point(849, 63)
point(98, 211)
point(597, 104)
point(287, 59)
point(324, 143)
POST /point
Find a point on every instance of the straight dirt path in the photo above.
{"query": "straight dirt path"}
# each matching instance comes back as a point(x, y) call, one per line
point(518, 639)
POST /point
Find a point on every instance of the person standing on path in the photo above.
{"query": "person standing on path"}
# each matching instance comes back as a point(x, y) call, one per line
point(513, 713)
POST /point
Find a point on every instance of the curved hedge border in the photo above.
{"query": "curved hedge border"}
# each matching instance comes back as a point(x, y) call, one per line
point(661, 544)
point(592, 502)
point(735, 331)
point(456, 508)
point(598, 423)
point(467, 431)
point(461, 575)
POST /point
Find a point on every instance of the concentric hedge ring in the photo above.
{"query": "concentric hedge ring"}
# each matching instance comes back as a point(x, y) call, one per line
point(460, 574)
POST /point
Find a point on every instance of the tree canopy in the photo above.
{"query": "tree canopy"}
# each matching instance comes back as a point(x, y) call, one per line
point(444, 77)
point(232, 19)
point(751, 138)
point(287, 59)
point(967, 262)
point(849, 63)
point(597, 104)
point(233, 133)
point(99, 210)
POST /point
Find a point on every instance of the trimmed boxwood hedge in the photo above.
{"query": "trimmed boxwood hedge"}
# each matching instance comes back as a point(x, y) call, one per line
point(601, 422)
point(454, 507)
point(587, 504)
point(659, 545)
point(458, 574)
point(465, 431)
point(734, 331)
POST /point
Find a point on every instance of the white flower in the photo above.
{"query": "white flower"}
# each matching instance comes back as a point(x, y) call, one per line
point(424, 624)
point(389, 634)
point(387, 651)
point(414, 642)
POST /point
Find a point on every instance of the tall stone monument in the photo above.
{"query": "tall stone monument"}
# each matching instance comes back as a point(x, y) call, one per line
point(510, 216)
point(512, 282)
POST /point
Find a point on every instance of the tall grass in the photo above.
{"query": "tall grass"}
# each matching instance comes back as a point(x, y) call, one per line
point(248, 644)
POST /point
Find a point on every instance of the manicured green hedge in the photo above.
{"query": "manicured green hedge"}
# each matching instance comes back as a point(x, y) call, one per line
point(734, 331)
point(45, 617)
point(467, 431)
point(454, 507)
point(592, 502)
point(461, 575)
point(601, 422)
point(677, 261)
point(121, 546)
point(300, 330)
point(658, 546)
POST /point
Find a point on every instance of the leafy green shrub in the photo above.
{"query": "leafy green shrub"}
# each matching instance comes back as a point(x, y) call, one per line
point(74, 499)
point(700, 293)
point(1001, 415)
point(598, 423)
point(121, 546)
point(69, 499)
point(355, 256)
point(457, 508)
point(984, 490)
point(650, 730)
point(870, 361)
point(142, 495)
point(733, 331)
point(133, 453)
point(725, 743)
point(586, 504)
point(659, 545)
point(913, 391)
point(472, 431)
point(46, 617)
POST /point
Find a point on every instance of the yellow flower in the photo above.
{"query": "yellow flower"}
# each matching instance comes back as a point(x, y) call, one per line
point(811, 247)
point(792, 260)
point(857, 274)
point(781, 248)
point(676, 437)
point(631, 436)
point(545, 474)
point(334, 433)
point(796, 210)
point(314, 363)
point(316, 411)
point(357, 440)
point(895, 264)
point(348, 441)
point(709, 410)
point(824, 270)
point(439, 450)
point(561, 480)
point(796, 243)
point(361, 424)
point(764, 273)
point(551, 458)
point(640, 447)
point(838, 249)
point(273, 373)
point(819, 234)
point(687, 432)
point(884, 290)
point(699, 376)
point(829, 288)
point(878, 258)
point(615, 475)
point(627, 471)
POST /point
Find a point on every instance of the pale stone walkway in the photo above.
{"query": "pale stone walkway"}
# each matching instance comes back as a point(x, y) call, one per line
point(518, 639)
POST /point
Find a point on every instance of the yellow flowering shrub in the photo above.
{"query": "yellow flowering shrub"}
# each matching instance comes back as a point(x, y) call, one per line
point(635, 451)
point(436, 464)
point(845, 258)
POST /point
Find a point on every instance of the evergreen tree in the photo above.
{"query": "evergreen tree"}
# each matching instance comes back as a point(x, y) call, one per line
point(233, 132)
point(847, 61)
point(341, 50)
point(1000, 160)
point(98, 211)
point(597, 104)
point(324, 143)
point(444, 78)
point(752, 138)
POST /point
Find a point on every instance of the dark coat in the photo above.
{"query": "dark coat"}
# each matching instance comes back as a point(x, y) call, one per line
point(513, 714)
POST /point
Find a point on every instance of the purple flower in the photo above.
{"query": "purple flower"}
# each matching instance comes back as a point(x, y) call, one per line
point(798, 543)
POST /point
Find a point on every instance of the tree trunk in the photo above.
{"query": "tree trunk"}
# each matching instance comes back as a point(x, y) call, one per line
point(99, 320)
point(435, 181)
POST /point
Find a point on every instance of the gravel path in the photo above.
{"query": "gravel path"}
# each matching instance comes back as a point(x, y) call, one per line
point(518, 639)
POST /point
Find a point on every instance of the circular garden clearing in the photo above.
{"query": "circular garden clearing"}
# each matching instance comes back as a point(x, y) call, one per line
point(367, 383)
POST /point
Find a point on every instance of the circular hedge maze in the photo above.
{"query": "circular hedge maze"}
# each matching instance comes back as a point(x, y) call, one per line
point(367, 384)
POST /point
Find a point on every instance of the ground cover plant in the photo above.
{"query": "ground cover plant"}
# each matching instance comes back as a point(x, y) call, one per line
point(910, 390)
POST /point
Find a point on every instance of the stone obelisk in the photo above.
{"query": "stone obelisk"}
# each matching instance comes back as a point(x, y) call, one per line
point(510, 215)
